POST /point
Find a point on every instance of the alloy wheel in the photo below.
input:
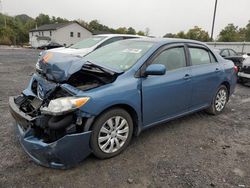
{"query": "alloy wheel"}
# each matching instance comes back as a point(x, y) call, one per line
point(221, 100)
point(113, 134)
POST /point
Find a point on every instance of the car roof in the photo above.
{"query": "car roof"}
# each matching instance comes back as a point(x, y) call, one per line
point(119, 35)
point(169, 40)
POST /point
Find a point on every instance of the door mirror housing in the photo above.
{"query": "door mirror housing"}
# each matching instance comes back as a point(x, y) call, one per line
point(155, 69)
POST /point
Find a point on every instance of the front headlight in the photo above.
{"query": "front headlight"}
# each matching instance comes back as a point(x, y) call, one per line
point(38, 68)
point(64, 105)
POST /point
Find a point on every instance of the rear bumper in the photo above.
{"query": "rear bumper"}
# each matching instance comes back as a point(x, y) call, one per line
point(63, 153)
point(244, 75)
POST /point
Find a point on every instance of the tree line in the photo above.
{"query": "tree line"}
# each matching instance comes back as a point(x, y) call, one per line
point(230, 33)
point(15, 29)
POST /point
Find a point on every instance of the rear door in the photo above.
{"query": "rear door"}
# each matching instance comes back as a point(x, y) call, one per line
point(168, 95)
point(206, 73)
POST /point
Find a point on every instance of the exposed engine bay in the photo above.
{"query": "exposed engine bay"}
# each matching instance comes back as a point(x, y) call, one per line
point(51, 127)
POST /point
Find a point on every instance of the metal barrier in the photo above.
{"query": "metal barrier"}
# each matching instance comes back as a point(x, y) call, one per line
point(241, 47)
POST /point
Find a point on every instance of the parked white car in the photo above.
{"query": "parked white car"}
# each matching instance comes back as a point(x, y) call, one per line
point(86, 46)
point(244, 72)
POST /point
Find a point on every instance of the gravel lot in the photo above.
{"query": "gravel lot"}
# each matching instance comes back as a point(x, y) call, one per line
point(195, 151)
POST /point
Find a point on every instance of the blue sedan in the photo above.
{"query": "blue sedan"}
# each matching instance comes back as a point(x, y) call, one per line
point(75, 106)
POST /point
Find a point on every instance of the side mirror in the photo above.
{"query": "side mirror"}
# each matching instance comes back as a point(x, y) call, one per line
point(155, 69)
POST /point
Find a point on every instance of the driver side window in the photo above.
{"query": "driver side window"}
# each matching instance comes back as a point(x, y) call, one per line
point(173, 58)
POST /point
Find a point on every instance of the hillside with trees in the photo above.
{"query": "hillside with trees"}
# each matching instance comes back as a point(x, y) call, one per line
point(15, 29)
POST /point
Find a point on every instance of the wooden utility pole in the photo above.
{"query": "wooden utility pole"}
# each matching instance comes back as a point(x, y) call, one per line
point(215, 10)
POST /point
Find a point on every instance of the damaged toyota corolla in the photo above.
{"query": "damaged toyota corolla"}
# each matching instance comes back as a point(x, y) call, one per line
point(76, 106)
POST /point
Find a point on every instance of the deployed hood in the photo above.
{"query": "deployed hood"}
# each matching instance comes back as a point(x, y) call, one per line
point(59, 66)
point(72, 51)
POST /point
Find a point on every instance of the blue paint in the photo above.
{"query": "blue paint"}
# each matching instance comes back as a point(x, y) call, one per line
point(161, 96)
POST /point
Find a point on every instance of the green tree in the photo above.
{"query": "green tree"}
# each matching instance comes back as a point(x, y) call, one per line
point(169, 35)
point(141, 33)
point(181, 35)
point(42, 19)
point(122, 30)
point(197, 33)
point(247, 32)
point(229, 34)
point(131, 31)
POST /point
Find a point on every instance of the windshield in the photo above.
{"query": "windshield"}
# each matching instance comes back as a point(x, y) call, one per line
point(87, 43)
point(120, 55)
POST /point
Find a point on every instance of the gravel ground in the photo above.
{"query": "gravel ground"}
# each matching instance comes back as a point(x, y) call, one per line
point(195, 151)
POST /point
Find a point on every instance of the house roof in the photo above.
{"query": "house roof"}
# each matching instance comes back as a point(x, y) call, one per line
point(48, 27)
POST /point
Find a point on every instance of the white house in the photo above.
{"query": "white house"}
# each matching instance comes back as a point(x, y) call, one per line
point(62, 33)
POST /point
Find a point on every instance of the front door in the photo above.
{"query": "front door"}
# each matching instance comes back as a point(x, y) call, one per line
point(168, 95)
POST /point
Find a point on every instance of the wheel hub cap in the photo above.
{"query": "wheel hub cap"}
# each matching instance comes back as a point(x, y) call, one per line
point(221, 100)
point(113, 134)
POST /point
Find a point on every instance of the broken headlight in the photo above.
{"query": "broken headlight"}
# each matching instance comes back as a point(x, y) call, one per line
point(64, 105)
point(38, 67)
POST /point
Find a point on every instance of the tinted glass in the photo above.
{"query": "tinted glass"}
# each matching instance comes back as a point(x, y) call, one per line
point(232, 53)
point(199, 56)
point(173, 58)
point(224, 53)
point(87, 43)
point(109, 41)
point(120, 55)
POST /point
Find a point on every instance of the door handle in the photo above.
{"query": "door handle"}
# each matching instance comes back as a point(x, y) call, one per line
point(187, 77)
point(217, 70)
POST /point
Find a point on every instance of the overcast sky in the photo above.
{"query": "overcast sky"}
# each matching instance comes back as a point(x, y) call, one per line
point(161, 16)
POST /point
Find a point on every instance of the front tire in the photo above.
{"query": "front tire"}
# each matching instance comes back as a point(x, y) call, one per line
point(111, 133)
point(219, 102)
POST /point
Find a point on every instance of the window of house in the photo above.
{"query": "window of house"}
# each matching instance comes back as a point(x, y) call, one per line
point(32, 33)
point(39, 33)
point(173, 58)
point(199, 56)
point(79, 35)
point(50, 33)
point(42, 33)
point(71, 34)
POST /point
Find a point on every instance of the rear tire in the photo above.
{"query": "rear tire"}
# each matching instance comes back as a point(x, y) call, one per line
point(111, 133)
point(219, 101)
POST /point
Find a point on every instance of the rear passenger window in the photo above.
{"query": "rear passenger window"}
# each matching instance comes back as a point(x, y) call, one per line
point(173, 58)
point(199, 56)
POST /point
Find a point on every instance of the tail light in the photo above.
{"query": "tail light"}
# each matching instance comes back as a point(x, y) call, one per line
point(236, 69)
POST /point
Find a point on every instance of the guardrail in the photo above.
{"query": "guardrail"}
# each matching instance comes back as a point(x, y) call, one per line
point(242, 47)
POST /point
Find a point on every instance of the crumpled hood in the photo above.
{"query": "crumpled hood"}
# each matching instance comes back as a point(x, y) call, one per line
point(59, 66)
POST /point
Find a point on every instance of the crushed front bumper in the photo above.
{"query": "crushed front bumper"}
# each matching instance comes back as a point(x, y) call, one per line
point(63, 153)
